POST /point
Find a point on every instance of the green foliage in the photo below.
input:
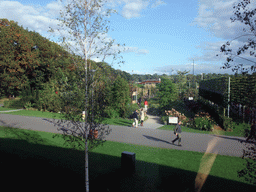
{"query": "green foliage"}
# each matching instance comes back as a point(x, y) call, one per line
point(48, 99)
point(227, 123)
point(120, 96)
point(164, 119)
point(215, 90)
point(167, 93)
point(16, 104)
point(27, 58)
point(202, 123)
point(111, 113)
point(249, 172)
point(245, 129)
point(243, 90)
point(130, 108)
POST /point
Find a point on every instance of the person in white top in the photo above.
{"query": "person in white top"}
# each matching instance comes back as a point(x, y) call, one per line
point(141, 117)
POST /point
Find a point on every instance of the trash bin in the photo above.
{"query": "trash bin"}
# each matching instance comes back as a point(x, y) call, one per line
point(128, 162)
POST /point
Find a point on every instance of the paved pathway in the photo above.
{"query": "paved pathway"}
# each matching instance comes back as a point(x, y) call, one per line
point(147, 135)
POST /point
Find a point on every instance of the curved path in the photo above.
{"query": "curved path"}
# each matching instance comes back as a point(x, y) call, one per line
point(147, 135)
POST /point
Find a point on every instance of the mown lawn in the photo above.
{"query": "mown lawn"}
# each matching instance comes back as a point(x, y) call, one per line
point(122, 122)
point(35, 159)
point(236, 132)
point(116, 121)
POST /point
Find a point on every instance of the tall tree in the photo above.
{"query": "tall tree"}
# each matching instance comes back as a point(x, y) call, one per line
point(87, 27)
point(245, 15)
point(121, 95)
point(17, 60)
point(167, 93)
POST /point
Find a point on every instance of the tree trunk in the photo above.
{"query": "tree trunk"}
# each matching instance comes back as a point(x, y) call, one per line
point(86, 163)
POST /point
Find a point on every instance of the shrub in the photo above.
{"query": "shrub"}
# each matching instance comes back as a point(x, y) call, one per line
point(130, 109)
point(164, 119)
point(49, 98)
point(175, 113)
point(154, 109)
point(227, 123)
point(202, 123)
point(17, 104)
point(245, 130)
point(111, 113)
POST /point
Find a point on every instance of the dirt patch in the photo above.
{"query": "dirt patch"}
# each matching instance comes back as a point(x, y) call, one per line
point(217, 127)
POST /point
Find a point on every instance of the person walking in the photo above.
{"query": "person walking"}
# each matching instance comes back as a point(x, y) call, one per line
point(135, 118)
point(146, 105)
point(253, 131)
point(141, 117)
point(177, 132)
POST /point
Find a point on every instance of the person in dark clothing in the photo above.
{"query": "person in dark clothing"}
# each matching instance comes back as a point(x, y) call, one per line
point(139, 101)
point(252, 132)
point(177, 132)
point(135, 118)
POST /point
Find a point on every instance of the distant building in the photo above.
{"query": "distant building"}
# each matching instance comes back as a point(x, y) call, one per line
point(148, 91)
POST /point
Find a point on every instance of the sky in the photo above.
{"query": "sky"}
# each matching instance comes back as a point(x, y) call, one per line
point(161, 36)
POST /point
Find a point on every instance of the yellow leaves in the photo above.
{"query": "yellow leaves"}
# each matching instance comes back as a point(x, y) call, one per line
point(18, 35)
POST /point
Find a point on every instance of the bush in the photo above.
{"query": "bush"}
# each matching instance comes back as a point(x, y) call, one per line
point(202, 123)
point(49, 100)
point(16, 104)
point(130, 109)
point(111, 113)
point(175, 113)
point(227, 123)
point(164, 119)
point(245, 131)
point(154, 109)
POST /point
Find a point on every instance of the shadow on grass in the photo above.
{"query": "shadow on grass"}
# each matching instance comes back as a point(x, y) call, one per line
point(33, 165)
point(119, 121)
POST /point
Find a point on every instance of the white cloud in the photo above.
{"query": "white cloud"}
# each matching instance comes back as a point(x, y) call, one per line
point(158, 3)
point(214, 16)
point(136, 50)
point(133, 8)
point(34, 18)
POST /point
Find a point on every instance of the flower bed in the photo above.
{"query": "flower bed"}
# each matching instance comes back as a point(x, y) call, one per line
point(175, 113)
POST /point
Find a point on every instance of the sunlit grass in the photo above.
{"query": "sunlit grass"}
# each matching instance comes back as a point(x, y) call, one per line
point(148, 158)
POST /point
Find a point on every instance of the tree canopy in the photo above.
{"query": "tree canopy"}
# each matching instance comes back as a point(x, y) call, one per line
point(27, 58)
point(167, 93)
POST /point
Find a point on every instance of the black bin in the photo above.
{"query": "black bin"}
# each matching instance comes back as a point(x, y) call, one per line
point(128, 162)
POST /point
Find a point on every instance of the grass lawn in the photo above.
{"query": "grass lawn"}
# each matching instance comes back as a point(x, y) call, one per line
point(117, 121)
point(121, 122)
point(34, 158)
point(5, 109)
point(236, 131)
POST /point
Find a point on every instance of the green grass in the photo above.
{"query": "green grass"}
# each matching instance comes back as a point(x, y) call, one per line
point(5, 109)
point(236, 132)
point(156, 168)
point(116, 121)
point(121, 122)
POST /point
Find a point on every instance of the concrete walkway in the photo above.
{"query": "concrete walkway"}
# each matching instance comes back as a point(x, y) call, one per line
point(153, 122)
point(147, 135)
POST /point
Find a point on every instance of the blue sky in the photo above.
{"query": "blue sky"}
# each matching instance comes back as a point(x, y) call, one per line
point(163, 36)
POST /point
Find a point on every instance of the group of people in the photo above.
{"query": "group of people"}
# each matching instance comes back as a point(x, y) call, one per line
point(141, 113)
